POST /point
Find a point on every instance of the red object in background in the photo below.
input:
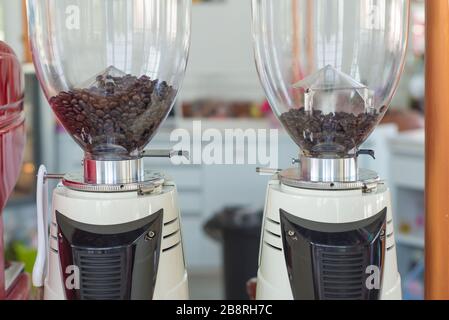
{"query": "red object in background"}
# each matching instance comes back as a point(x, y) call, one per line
point(266, 108)
point(12, 143)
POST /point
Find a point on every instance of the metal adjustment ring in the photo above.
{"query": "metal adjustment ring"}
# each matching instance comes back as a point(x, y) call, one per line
point(368, 180)
point(152, 182)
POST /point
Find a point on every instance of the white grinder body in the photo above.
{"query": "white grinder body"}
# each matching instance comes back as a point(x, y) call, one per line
point(115, 246)
point(325, 244)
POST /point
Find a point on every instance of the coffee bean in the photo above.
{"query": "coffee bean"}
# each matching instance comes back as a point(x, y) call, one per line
point(335, 133)
point(80, 118)
point(116, 114)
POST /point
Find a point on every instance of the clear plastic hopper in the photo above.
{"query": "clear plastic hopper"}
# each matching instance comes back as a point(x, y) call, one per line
point(330, 68)
point(111, 69)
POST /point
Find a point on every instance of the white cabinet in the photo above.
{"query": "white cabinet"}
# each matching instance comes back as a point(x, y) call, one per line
point(408, 184)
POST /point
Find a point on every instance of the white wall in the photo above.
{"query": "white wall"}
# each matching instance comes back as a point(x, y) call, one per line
point(221, 62)
point(12, 23)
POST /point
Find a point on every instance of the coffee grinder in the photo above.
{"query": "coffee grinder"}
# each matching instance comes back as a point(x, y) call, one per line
point(14, 283)
point(111, 70)
point(329, 70)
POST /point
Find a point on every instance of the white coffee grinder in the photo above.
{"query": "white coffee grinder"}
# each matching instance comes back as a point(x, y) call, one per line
point(111, 70)
point(329, 70)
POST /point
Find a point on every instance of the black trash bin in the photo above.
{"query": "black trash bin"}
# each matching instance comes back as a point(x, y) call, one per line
point(238, 229)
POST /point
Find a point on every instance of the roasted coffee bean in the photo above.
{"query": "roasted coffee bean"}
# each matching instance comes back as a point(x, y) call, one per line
point(117, 114)
point(336, 133)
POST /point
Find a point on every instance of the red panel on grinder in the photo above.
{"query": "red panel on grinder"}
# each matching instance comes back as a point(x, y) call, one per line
point(12, 133)
point(12, 143)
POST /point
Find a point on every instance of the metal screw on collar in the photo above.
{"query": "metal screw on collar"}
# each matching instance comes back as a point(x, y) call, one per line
point(150, 236)
point(291, 233)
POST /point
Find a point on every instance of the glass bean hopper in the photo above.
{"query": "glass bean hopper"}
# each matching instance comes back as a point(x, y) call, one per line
point(330, 70)
point(111, 71)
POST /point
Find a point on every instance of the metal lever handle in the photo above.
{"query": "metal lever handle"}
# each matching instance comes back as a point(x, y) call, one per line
point(53, 176)
point(268, 171)
point(165, 154)
point(367, 152)
point(40, 264)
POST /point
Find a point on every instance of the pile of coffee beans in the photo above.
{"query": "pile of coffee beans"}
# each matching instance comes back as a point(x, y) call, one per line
point(116, 114)
point(336, 133)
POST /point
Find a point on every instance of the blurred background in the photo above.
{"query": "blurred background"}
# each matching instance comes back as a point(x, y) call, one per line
point(221, 215)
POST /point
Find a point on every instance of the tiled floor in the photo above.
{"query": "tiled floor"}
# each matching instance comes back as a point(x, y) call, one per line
point(206, 286)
